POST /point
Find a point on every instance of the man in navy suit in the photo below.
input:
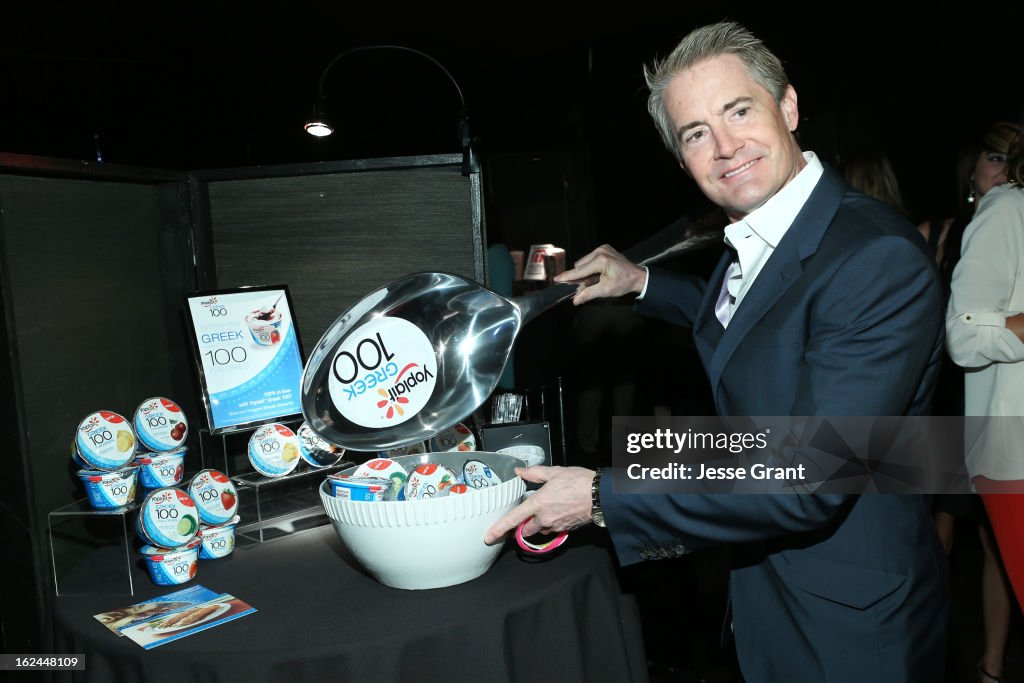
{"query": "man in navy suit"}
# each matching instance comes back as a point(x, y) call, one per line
point(827, 304)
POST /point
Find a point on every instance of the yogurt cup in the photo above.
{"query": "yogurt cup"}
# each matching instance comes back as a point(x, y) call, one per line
point(315, 450)
point(172, 566)
point(157, 470)
point(217, 541)
point(168, 518)
point(429, 480)
point(369, 489)
point(214, 495)
point(385, 468)
point(110, 490)
point(477, 475)
point(105, 441)
point(160, 424)
point(265, 327)
point(457, 438)
point(274, 450)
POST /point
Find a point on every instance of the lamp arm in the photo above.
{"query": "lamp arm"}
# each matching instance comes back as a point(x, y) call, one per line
point(364, 48)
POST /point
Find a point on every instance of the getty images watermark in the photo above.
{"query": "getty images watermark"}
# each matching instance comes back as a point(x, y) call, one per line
point(794, 455)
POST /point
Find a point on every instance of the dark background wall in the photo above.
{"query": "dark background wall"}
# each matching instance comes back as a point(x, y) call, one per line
point(194, 85)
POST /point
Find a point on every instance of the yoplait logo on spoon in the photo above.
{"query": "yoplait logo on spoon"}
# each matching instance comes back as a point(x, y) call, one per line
point(383, 371)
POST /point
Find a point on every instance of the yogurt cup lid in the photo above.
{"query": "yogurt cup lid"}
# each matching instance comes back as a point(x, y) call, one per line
point(479, 475)
point(160, 424)
point(105, 440)
point(456, 438)
point(274, 450)
point(315, 450)
point(429, 480)
point(214, 495)
point(168, 518)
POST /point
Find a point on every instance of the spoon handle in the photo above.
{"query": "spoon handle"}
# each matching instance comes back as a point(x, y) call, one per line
point(532, 305)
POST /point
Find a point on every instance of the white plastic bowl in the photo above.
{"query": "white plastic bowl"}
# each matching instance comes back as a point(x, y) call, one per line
point(417, 544)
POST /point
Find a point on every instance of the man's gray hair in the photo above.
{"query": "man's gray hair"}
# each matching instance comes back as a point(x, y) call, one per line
point(704, 43)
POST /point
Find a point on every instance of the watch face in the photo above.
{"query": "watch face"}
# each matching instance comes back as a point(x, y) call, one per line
point(598, 518)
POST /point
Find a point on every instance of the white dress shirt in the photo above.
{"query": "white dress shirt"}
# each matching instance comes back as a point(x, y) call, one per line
point(987, 288)
point(755, 237)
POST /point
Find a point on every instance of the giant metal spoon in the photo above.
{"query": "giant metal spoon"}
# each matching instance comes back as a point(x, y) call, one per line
point(417, 356)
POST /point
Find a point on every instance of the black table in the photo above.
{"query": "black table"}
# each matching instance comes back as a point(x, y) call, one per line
point(320, 618)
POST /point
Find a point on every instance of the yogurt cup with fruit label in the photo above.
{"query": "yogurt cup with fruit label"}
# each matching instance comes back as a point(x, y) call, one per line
point(160, 424)
point(105, 440)
point(109, 490)
point(172, 566)
point(217, 541)
point(274, 450)
point(265, 326)
point(315, 450)
point(168, 518)
point(385, 468)
point(157, 470)
point(429, 480)
point(457, 438)
point(214, 495)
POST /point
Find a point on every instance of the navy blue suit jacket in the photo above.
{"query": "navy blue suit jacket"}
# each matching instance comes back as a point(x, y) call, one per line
point(845, 319)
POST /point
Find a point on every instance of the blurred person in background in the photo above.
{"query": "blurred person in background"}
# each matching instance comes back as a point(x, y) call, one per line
point(870, 171)
point(985, 335)
point(980, 167)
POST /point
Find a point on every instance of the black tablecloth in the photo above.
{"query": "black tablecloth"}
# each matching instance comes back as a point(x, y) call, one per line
point(320, 618)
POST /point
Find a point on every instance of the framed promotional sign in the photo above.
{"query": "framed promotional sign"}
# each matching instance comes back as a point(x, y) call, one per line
point(248, 355)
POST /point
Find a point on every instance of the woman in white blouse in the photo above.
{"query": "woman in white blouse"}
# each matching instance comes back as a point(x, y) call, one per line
point(985, 335)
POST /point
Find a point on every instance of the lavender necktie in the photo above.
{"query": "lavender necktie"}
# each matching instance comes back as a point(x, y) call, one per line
point(730, 288)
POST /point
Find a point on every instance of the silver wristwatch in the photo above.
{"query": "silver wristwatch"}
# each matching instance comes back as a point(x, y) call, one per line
point(596, 513)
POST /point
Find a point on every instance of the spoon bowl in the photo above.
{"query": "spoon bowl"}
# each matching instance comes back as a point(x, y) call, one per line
point(413, 359)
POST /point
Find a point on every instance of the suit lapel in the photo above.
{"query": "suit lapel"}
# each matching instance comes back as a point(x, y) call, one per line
point(783, 268)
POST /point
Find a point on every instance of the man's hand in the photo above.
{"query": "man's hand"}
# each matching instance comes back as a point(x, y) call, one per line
point(561, 504)
point(617, 275)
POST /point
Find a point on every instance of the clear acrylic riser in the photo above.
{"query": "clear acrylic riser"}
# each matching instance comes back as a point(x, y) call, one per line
point(92, 550)
point(268, 507)
point(271, 507)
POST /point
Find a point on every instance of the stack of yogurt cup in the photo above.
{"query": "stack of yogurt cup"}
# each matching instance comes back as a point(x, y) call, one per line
point(103, 448)
point(168, 524)
point(162, 430)
point(179, 527)
point(217, 502)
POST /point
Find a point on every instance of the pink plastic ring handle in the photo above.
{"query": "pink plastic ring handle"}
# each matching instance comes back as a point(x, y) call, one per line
point(539, 549)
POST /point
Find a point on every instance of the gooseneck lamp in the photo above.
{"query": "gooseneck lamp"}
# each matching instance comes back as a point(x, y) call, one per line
point(319, 124)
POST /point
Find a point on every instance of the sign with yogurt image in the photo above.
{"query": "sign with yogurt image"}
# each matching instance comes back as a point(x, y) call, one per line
point(248, 354)
point(383, 374)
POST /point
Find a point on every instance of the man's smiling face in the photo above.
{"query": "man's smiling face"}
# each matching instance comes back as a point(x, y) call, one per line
point(736, 141)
